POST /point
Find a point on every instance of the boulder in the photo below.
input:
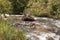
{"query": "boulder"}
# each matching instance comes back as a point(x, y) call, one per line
point(28, 17)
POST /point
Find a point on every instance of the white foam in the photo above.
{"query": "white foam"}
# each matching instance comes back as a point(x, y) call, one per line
point(44, 36)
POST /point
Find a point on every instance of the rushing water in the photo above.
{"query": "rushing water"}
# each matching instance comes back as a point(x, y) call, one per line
point(49, 24)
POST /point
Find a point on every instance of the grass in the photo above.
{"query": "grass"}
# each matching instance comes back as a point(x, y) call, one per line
point(8, 32)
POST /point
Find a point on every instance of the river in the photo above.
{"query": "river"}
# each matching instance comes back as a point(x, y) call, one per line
point(41, 29)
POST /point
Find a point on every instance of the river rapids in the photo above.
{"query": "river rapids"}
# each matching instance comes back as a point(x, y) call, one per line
point(41, 29)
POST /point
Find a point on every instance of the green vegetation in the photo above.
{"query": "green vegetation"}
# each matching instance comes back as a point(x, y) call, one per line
point(8, 32)
point(19, 6)
point(41, 8)
point(12, 6)
point(48, 8)
point(5, 7)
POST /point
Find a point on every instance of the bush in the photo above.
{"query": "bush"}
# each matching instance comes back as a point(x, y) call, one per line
point(8, 32)
point(5, 6)
point(50, 8)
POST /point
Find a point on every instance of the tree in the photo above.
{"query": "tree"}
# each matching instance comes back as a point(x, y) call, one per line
point(19, 6)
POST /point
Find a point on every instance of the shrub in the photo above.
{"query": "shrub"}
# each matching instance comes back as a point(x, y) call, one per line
point(50, 8)
point(5, 6)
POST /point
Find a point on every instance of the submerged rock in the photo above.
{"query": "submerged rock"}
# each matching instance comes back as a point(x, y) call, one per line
point(50, 38)
point(58, 32)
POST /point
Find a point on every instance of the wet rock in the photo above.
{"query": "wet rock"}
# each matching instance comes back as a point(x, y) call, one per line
point(58, 32)
point(50, 38)
point(4, 16)
point(28, 17)
point(59, 39)
point(34, 26)
point(52, 28)
point(41, 28)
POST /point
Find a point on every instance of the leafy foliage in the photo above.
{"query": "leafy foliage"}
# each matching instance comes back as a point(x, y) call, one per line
point(5, 6)
point(48, 8)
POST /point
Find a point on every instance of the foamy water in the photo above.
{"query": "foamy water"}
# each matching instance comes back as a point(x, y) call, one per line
point(52, 25)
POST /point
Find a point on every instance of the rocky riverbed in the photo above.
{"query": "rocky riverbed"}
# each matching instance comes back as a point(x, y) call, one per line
point(41, 29)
